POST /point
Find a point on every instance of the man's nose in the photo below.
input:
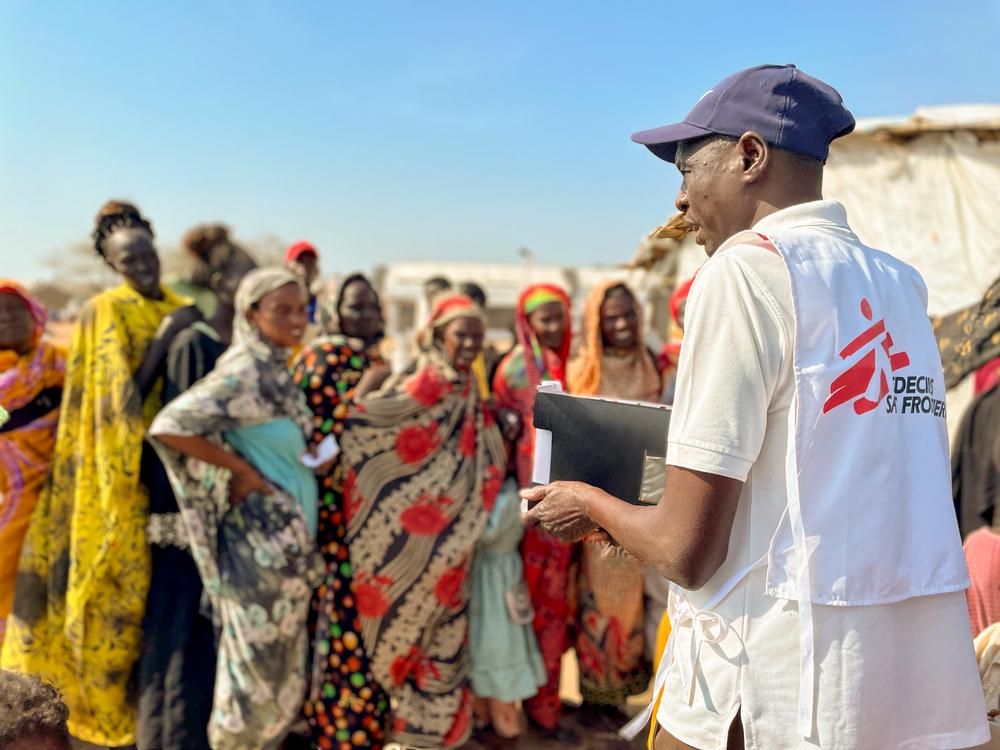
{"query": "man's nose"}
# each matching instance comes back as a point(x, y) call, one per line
point(681, 201)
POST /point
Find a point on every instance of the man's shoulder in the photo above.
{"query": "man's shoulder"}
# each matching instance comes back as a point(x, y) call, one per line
point(747, 265)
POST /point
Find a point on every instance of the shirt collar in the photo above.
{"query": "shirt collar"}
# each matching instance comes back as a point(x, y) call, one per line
point(814, 213)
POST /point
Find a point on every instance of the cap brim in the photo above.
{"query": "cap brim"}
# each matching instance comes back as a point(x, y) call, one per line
point(663, 141)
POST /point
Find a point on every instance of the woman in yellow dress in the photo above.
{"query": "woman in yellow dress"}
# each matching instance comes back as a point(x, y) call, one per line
point(84, 568)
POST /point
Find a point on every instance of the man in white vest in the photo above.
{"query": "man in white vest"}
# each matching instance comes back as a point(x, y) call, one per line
point(807, 523)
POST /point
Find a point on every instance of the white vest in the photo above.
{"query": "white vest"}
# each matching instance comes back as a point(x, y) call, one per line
point(869, 518)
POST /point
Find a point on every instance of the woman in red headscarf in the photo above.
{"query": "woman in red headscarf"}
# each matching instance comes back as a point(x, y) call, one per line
point(423, 462)
point(543, 342)
point(31, 380)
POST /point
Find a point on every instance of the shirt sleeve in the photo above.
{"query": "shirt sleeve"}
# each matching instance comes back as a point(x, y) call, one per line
point(731, 359)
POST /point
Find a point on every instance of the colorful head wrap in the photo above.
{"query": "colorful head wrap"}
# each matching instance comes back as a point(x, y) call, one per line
point(38, 314)
point(535, 357)
point(453, 307)
point(540, 295)
point(446, 309)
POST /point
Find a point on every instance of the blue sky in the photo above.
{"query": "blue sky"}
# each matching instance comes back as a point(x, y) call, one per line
point(406, 130)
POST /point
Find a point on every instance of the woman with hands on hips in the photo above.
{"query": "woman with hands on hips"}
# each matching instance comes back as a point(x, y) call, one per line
point(233, 446)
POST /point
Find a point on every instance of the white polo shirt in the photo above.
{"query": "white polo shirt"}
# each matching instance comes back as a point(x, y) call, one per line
point(900, 675)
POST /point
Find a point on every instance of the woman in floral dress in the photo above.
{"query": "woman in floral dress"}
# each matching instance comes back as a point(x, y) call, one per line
point(425, 461)
point(233, 446)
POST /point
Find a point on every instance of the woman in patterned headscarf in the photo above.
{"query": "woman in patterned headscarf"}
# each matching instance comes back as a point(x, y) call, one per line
point(544, 337)
point(233, 445)
point(31, 379)
point(175, 676)
point(84, 569)
point(615, 363)
point(424, 462)
point(345, 702)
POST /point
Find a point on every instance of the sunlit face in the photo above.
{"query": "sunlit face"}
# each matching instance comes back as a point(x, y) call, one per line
point(16, 323)
point(306, 267)
point(462, 339)
point(281, 316)
point(130, 251)
point(360, 313)
point(709, 195)
point(549, 324)
point(619, 320)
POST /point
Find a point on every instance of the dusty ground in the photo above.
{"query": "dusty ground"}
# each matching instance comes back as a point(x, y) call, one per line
point(590, 738)
point(593, 734)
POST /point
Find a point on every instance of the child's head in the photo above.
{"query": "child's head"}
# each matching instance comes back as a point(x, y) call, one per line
point(32, 714)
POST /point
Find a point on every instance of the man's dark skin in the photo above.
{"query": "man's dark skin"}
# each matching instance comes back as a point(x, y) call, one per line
point(729, 185)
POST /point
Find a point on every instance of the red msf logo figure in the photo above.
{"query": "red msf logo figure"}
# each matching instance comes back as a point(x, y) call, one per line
point(857, 381)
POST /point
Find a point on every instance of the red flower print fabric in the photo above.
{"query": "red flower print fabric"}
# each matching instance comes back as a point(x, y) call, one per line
point(424, 465)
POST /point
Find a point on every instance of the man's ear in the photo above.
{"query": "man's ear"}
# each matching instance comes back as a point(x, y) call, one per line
point(754, 156)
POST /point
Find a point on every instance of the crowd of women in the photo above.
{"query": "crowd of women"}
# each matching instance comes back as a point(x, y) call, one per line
point(186, 560)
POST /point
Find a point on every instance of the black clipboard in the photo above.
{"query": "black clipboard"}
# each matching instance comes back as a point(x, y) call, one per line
point(619, 446)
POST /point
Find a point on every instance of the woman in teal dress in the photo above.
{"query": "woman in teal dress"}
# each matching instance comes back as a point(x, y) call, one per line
point(233, 446)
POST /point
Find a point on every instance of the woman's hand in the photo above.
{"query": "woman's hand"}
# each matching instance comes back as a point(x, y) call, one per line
point(562, 509)
point(510, 423)
point(246, 480)
point(373, 379)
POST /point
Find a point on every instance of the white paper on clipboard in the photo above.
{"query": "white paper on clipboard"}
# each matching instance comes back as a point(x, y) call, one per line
point(543, 457)
point(327, 450)
point(542, 466)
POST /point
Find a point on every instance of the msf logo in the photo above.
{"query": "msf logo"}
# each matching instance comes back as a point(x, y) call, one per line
point(866, 382)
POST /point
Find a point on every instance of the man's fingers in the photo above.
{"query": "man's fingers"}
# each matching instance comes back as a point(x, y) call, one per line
point(535, 493)
point(530, 518)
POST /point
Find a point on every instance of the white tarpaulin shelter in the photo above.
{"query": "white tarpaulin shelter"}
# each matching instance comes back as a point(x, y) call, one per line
point(925, 188)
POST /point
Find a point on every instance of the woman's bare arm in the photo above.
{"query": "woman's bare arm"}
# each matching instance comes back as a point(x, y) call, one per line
point(246, 478)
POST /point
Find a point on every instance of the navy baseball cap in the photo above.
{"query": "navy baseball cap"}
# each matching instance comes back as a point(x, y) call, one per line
point(787, 108)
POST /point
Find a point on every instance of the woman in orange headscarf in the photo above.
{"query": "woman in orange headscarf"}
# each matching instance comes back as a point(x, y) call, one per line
point(31, 379)
point(613, 362)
